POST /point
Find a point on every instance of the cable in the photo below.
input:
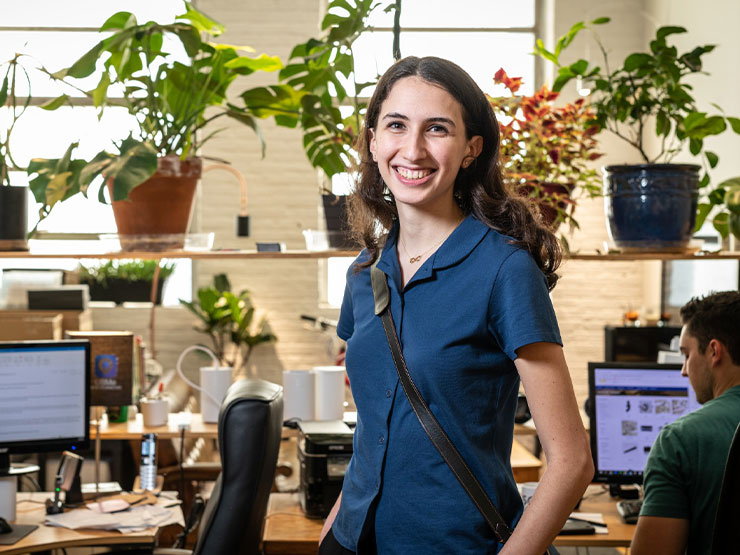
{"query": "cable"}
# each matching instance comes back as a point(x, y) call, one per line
point(182, 468)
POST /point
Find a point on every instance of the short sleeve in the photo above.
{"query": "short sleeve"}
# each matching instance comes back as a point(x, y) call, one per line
point(520, 309)
point(665, 486)
point(346, 324)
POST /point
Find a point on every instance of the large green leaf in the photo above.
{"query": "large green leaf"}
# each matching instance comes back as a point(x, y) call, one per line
point(55, 103)
point(262, 62)
point(637, 60)
point(4, 91)
point(136, 164)
point(85, 66)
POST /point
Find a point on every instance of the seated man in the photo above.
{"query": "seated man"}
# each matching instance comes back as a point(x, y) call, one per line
point(684, 470)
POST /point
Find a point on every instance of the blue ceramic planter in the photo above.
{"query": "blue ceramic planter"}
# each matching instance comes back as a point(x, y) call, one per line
point(651, 206)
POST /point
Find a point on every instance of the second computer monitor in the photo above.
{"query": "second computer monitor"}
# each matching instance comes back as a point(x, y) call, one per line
point(629, 404)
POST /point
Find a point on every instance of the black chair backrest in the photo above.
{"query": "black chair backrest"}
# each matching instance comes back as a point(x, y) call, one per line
point(726, 536)
point(249, 431)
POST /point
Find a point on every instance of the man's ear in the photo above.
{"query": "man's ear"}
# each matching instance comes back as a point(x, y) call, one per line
point(717, 351)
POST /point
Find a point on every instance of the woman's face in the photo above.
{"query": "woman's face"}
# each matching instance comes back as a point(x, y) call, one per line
point(419, 144)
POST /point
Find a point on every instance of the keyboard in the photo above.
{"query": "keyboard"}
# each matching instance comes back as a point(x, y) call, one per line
point(629, 510)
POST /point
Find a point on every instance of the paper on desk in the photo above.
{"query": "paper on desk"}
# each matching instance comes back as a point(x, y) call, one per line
point(134, 520)
point(592, 517)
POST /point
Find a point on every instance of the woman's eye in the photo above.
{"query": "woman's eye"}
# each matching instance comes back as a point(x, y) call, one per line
point(438, 129)
point(395, 125)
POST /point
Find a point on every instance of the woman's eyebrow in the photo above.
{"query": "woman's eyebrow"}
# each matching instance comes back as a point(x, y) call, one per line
point(436, 119)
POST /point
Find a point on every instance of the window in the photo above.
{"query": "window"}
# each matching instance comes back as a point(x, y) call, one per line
point(479, 35)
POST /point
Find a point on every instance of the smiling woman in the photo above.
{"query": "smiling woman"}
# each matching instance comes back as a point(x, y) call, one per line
point(467, 269)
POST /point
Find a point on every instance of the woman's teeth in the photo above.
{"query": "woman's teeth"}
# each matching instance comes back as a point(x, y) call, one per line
point(413, 174)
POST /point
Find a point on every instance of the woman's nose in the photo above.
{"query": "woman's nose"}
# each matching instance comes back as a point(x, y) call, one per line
point(414, 147)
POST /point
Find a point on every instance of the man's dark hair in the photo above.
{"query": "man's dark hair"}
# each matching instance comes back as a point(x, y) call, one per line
point(716, 316)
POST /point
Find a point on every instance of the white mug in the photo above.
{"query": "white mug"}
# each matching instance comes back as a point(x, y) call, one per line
point(154, 412)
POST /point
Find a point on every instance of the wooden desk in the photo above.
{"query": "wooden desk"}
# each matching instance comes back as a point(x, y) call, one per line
point(30, 510)
point(525, 465)
point(132, 429)
point(289, 532)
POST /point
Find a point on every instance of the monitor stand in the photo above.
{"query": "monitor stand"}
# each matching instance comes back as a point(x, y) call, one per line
point(631, 491)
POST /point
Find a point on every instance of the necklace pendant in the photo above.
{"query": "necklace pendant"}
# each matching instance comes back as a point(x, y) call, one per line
point(414, 259)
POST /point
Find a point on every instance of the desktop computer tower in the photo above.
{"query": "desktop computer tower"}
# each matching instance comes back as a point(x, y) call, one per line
point(637, 344)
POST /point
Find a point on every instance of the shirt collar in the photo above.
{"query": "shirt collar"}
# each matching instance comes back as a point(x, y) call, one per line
point(457, 246)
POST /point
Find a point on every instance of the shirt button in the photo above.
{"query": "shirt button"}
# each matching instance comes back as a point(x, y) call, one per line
point(381, 440)
point(388, 393)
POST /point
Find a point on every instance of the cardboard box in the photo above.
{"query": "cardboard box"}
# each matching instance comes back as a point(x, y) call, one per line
point(72, 320)
point(111, 366)
point(20, 325)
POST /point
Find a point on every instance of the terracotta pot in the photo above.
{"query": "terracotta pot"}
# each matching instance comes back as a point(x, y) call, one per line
point(157, 214)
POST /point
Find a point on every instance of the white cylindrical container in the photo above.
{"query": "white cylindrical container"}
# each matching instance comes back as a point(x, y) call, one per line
point(329, 392)
point(8, 487)
point(154, 412)
point(298, 395)
point(213, 382)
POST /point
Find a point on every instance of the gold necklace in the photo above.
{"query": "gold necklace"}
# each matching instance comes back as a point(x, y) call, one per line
point(415, 259)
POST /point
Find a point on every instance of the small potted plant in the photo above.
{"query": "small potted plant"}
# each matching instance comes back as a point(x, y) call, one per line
point(124, 280)
point(152, 175)
point(13, 211)
point(546, 150)
point(652, 205)
point(231, 322)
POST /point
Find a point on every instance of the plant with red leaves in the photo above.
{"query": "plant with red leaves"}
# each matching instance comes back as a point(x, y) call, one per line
point(547, 150)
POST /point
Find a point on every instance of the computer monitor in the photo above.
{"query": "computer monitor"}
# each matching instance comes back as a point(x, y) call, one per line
point(44, 397)
point(629, 403)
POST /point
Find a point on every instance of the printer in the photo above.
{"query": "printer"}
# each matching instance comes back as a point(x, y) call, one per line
point(324, 451)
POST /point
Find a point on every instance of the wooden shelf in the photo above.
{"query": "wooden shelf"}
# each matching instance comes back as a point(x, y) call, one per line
point(655, 256)
point(196, 255)
point(315, 255)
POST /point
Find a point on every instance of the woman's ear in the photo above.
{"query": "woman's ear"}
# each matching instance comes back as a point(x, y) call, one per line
point(474, 148)
point(372, 145)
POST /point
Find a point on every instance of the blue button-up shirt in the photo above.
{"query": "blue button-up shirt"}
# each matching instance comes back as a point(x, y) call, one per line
point(460, 320)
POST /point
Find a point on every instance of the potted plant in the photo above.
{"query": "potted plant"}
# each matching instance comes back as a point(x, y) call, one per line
point(231, 322)
point(13, 204)
point(652, 205)
point(125, 280)
point(314, 96)
point(152, 175)
point(546, 150)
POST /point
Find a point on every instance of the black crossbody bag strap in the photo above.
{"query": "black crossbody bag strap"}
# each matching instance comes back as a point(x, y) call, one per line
point(431, 426)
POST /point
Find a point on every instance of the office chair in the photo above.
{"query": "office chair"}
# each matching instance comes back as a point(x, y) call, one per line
point(249, 431)
point(726, 535)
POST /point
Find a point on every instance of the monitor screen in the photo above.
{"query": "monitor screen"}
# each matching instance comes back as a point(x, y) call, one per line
point(45, 396)
point(629, 403)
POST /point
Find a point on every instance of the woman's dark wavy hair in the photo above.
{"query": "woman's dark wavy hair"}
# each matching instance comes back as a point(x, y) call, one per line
point(479, 188)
